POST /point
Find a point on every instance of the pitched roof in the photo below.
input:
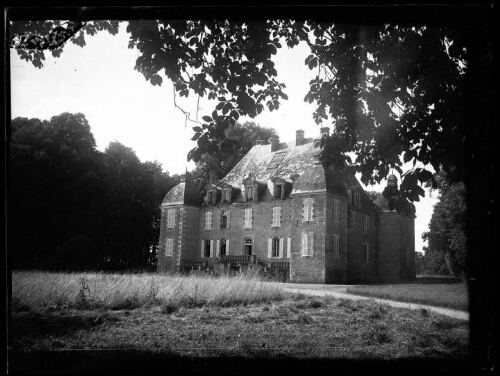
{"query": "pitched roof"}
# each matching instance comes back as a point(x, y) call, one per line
point(186, 192)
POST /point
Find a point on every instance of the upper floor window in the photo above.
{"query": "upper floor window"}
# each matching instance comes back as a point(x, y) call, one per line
point(169, 249)
point(336, 246)
point(225, 218)
point(350, 220)
point(308, 210)
point(336, 210)
point(276, 219)
point(307, 244)
point(279, 191)
point(208, 220)
point(212, 197)
point(248, 218)
point(171, 218)
point(366, 227)
point(357, 199)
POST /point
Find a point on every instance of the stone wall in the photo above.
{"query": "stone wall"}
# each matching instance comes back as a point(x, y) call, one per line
point(389, 255)
point(336, 267)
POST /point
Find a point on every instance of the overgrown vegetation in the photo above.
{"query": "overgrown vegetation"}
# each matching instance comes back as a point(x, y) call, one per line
point(441, 292)
point(200, 316)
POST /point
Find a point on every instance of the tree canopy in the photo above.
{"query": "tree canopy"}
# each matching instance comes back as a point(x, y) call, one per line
point(392, 93)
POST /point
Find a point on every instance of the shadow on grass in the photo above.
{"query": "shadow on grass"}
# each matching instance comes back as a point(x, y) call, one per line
point(149, 362)
point(429, 280)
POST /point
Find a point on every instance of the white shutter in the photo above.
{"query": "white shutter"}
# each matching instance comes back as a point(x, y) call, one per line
point(303, 250)
point(312, 210)
point(289, 248)
point(202, 248)
point(279, 216)
point(217, 249)
point(311, 243)
point(304, 212)
point(211, 248)
point(269, 247)
point(281, 248)
point(205, 221)
point(228, 218)
point(227, 246)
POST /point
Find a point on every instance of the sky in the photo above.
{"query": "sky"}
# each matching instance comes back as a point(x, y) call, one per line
point(99, 81)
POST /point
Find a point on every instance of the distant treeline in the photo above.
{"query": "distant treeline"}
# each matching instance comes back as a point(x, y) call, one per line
point(73, 207)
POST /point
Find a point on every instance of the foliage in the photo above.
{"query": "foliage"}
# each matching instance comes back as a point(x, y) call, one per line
point(73, 207)
point(447, 239)
point(246, 136)
point(389, 90)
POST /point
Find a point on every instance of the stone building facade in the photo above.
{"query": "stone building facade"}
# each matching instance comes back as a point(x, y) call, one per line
point(280, 209)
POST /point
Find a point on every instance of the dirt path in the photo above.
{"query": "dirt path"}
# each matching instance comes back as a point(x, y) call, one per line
point(339, 291)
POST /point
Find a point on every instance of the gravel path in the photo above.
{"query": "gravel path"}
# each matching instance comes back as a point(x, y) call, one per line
point(339, 291)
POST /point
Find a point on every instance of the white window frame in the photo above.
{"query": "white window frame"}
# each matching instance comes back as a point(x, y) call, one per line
point(248, 218)
point(366, 224)
point(276, 217)
point(169, 247)
point(171, 218)
point(208, 220)
point(307, 245)
point(336, 246)
point(336, 210)
point(308, 210)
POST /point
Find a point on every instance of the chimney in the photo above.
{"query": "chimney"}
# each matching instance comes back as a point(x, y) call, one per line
point(213, 177)
point(259, 142)
point(324, 130)
point(299, 137)
point(275, 141)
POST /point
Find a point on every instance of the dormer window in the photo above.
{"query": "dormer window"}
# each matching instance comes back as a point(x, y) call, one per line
point(357, 199)
point(279, 191)
point(226, 195)
point(212, 197)
point(249, 193)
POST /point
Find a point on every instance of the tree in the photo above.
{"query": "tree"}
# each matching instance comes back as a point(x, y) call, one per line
point(447, 239)
point(245, 135)
point(389, 90)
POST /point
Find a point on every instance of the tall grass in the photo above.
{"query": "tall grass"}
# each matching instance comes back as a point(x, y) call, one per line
point(35, 290)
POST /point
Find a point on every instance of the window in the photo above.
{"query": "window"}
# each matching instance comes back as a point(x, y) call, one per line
point(307, 244)
point(208, 220)
point(278, 191)
point(336, 246)
point(169, 250)
point(223, 247)
point(249, 193)
point(276, 220)
point(226, 195)
point(350, 220)
point(248, 218)
point(206, 248)
point(225, 218)
point(336, 210)
point(308, 213)
point(289, 248)
point(248, 244)
point(275, 247)
point(212, 197)
point(366, 227)
point(171, 218)
point(275, 162)
point(366, 253)
point(357, 199)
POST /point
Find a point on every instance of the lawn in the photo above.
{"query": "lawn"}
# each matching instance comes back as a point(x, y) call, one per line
point(436, 291)
point(205, 317)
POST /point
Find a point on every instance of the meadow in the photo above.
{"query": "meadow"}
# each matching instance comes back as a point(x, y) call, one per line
point(199, 316)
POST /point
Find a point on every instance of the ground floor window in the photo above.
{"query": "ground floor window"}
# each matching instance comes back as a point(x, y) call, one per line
point(307, 244)
point(169, 250)
point(222, 248)
point(206, 248)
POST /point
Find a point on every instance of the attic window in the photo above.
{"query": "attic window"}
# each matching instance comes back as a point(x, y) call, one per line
point(212, 197)
point(275, 162)
point(226, 195)
point(279, 191)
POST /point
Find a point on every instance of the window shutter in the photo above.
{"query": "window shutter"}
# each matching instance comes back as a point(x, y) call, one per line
point(205, 221)
point(303, 250)
point(281, 248)
point(269, 247)
point(227, 246)
point(202, 248)
point(228, 218)
point(312, 211)
point(279, 216)
point(218, 220)
point(217, 248)
point(304, 212)
point(311, 244)
point(289, 248)
point(211, 248)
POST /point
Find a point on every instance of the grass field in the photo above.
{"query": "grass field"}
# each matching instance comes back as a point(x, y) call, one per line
point(200, 317)
point(436, 291)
